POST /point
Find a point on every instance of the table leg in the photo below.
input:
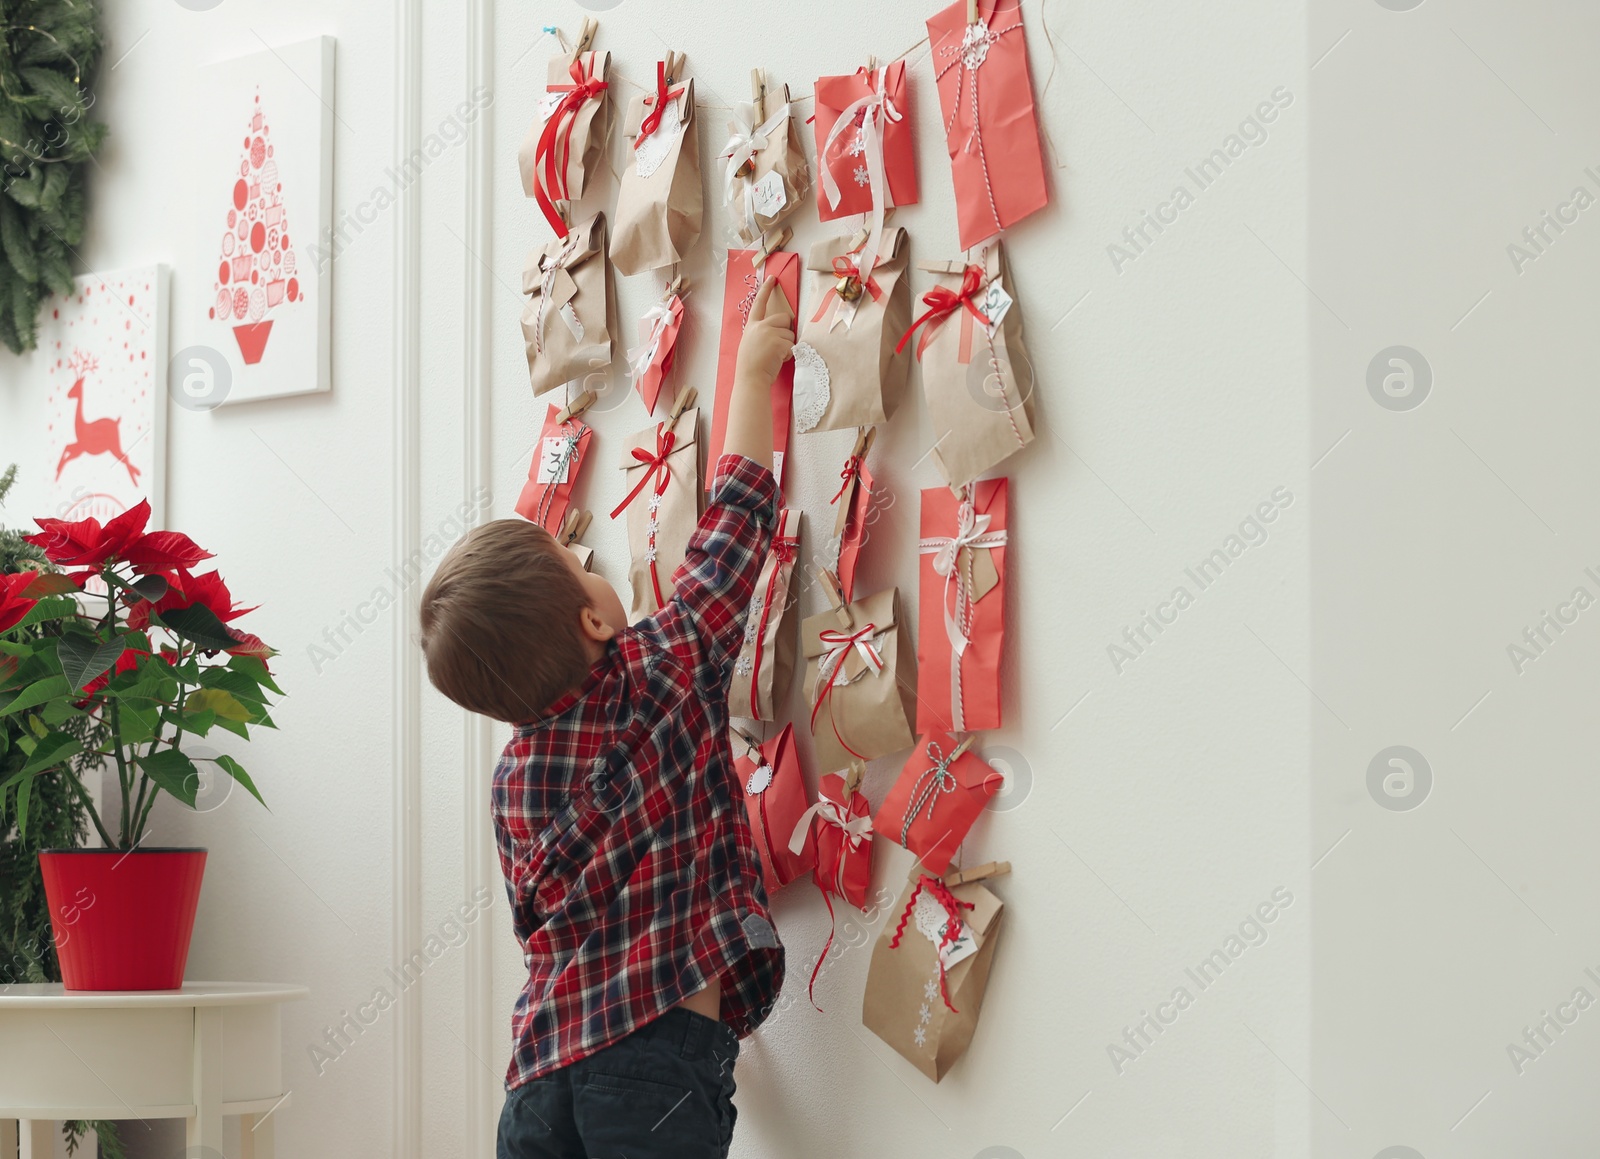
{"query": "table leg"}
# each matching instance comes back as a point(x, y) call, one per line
point(205, 1129)
point(258, 1142)
point(38, 1138)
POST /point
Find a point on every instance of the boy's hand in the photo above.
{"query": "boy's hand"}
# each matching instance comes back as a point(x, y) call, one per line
point(768, 339)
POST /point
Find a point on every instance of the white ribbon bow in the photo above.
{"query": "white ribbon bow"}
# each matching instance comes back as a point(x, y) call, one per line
point(972, 532)
point(745, 141)
point(863, 640)
point(873, 108)
point(855, 830)
point(658, 317)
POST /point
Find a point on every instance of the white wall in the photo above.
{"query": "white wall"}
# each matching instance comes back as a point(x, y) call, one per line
point(1155, 807)
point(1442, 533)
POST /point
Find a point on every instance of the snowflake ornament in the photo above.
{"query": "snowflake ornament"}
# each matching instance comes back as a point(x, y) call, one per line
point(930, 990)
point(921, 1036)
point(862, 176)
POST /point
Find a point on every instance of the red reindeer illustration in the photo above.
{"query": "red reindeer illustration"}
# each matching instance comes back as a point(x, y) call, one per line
point(100, 437)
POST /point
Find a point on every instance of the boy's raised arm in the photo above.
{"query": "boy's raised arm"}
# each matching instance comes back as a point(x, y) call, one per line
point(718, 575)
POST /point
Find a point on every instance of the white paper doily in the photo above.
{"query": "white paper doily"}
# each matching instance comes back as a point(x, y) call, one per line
point(811, 387)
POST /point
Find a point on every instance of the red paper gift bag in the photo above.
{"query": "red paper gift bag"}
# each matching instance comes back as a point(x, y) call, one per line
point(938, 796)
point(961, 615)
point(745, 274)
point(554, 470)
point(866, 150)
point(650, 362)
point(840, 827)
point(775, 799)
point(991, 126)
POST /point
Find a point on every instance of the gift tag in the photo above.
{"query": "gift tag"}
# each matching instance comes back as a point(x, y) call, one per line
point(548, 103)
point(759, 780)
point(811, 387)
point(964, 946)
point(978, 572)
point(767, 196)
point(555, 459)
point(995, 304)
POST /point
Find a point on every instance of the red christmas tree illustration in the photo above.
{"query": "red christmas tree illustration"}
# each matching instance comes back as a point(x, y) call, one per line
point(256, 274)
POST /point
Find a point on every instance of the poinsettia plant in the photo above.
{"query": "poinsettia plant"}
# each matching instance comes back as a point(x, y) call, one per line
point(132, 634)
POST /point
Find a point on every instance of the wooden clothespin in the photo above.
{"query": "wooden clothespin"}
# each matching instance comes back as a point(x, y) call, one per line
point(586, 36)
point(872, 63)
point(573, 527)
point(977, 873)
point(676, 287)
point(864, 440)
point(831, 589)
point(576, 407)
point(772, 245)
point(972, 11)
point(852, 777)
point(758, 94)
point(751, 744)
point(963, 746)
point(686, 399)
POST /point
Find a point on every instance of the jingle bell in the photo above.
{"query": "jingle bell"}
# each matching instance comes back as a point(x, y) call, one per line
point(746, 169)
point(849, 288)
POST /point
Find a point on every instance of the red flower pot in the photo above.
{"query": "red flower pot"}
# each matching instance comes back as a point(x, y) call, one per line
point(252, 338)
point(122, 920)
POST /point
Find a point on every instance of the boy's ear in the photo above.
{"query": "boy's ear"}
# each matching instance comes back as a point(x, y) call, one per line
point(593, 626)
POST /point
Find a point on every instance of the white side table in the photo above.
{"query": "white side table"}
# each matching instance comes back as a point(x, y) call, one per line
point(208, 1050)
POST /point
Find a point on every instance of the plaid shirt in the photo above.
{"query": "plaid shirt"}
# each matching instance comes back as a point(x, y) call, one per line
point(621, 827)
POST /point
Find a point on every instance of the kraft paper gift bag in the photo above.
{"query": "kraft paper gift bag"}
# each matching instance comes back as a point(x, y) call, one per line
point(929, 970)
point(975, 369)
point(775, 799)
point(650, 362)
point(990, 125)
point(936, 799)
point(840, 826)
point(961, 606)
point(566, 143)
point(849, 368)
point(662, 464)
point(859, 680)
point(571, 303)
point(554, 471)
point(659, 204)
point(765, 174)
point(746, 271)
point(765, 664)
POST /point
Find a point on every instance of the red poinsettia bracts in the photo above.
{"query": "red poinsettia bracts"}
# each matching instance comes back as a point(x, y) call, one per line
point(14, 603)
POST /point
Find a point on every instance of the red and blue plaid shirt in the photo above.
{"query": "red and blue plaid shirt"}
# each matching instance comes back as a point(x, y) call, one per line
point(621, 826)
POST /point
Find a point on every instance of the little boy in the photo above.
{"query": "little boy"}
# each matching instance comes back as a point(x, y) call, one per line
point(635, 890)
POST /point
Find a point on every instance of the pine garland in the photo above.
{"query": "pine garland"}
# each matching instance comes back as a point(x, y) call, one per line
point(48, 51)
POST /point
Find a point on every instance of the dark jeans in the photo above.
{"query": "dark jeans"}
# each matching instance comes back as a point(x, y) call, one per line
point(663, 1092)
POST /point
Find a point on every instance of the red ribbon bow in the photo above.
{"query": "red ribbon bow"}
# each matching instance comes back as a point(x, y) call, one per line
point(952, 926)
point(655, 465)
point(852, 469)
point(562, 120)
point(657, 104)
point(843, 642)
point(943, 302)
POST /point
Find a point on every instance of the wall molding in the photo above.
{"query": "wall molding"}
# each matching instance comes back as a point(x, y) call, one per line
point(407, 785)
point(480, 868)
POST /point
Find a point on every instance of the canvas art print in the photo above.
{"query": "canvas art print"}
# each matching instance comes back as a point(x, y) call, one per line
point(103, 352)
point(262, 207)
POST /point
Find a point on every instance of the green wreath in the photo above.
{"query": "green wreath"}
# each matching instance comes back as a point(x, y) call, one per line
point(48, 50)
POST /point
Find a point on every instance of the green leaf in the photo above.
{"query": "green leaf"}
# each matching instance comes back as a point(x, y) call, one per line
point(137, 721)
point(54, 749)
point(36, 694)
point(174, 772)
point(236, 771)
point(24, 795)
point(218, 701)
point(252, 667)
point(83, 658)
point(199, 624)
point(235, 727)
point(235, 683)
point(51, 608)
point(197, 723)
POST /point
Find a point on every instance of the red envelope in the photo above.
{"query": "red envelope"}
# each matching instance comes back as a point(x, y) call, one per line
point(554, 470)
point(842, 153)
point(775, 799)
point(649, 362)
point(935, 801)
point(991, 126)
point(961, 613)
point(840, 827)
point(850, 528)
point(743, 279)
